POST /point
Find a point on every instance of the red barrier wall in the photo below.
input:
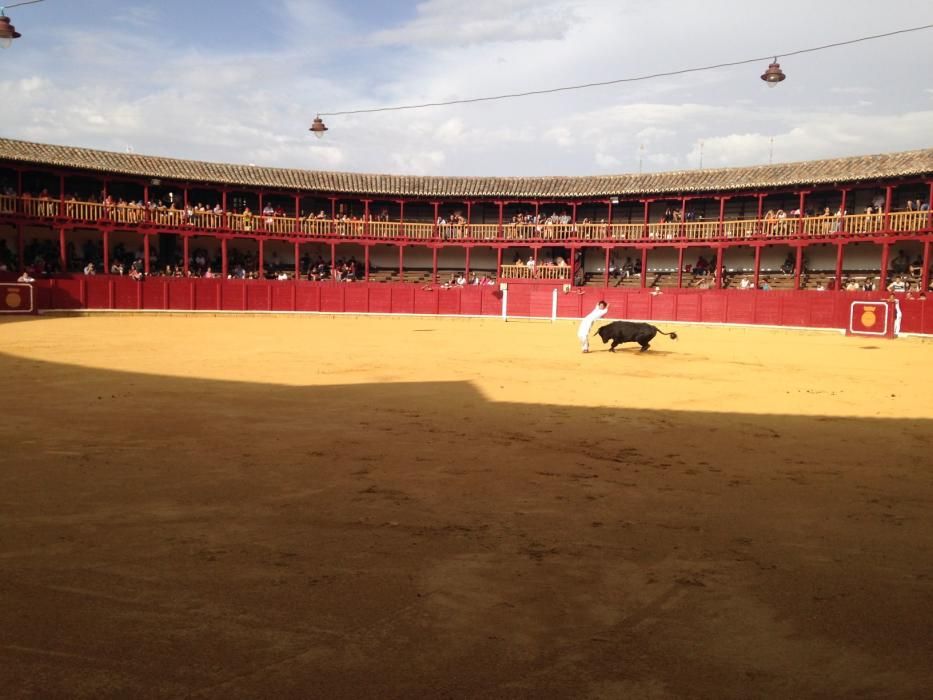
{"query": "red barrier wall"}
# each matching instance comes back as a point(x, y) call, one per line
point(808, 309)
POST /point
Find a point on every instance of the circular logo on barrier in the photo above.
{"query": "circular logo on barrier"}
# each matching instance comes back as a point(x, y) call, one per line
point(13, 299)
point(868, 317)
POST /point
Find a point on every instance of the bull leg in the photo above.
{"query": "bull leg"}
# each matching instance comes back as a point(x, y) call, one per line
point(644, 341)
point(612, 348)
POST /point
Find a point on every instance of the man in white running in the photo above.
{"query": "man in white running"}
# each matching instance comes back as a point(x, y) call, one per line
point(586, 325)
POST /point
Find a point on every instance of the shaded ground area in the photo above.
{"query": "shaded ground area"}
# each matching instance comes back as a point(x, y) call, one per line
point(395, 508)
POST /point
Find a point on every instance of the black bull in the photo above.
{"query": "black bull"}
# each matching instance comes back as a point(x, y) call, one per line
point(628, 332)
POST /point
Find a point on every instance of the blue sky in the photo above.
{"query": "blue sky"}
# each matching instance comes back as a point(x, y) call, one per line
point(240, 82)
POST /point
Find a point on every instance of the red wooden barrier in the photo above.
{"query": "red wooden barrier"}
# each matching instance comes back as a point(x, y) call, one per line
point(808, 309)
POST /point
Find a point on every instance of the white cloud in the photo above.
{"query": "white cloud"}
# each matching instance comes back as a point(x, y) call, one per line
point(253, 102)
point(451, 23)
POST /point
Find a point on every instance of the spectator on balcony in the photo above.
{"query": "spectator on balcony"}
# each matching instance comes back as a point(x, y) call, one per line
point(531, 262)
point(745, 283)
point(789, 264)
point(898, 285)
point(247, 219)
point(900, 263)
point(701, 268)
point(89, 269)
point(135, 273)
point(869, 284)
point(916, 267)
point(26, 278)
point(116, 268)
point(765, 285)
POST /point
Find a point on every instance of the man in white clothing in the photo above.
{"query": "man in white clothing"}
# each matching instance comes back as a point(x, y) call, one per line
point(586, 324)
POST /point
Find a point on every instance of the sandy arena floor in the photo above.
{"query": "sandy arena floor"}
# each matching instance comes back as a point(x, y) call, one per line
point(312, 507)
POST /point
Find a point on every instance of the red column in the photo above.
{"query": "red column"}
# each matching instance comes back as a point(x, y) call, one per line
point(437, 215)
point(573, 264)
point(645, 223)
point(62, 253)
point(261, 258)
point(401, 262)
point(260, 220)
point(333, 208)
point(722, 215)
point(501, 214)
point(609, 221)
point(366, 227)
point(223, 258)
point(888, 196)
point(757, 274)
point(719, 252)
point(885, 257)
point(298, 260)
point(186, 253)
point(185, 196)
point(498, 264)
point(761, 206)
point(223, 205)
point(469, 218)
point(401, 217)
point(680, 267)
point(606, 269)
point(842, 210)
point(146, 253)
point(800, 206)
point(644, 267)
point(333, 258)
point(925, 274)
point(61, 197)
point(106, 237)
point(798, 267)
point(839, 254)
point(466, 272)
point(20, 248)
point(297, 227)
point(366, 262)
point(683, 217)
point(930, 208)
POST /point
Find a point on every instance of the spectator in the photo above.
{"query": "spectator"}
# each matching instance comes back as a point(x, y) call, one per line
point(26, 278)
point(898, 285)
point(89, 269)
point(900, 263)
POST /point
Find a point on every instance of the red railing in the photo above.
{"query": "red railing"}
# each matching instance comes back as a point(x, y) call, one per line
point(249, 223)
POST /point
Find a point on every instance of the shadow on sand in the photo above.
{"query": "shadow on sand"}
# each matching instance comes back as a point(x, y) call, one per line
point(176, 536)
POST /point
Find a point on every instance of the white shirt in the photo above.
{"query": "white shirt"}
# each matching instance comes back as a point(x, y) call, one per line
point(590, 319)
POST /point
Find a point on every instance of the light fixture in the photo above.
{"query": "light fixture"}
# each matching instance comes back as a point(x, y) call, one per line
point(7, 32)
point(774, 74)
point(317, 127)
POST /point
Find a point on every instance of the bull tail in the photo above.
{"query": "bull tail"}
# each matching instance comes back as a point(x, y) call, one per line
point(672, 334)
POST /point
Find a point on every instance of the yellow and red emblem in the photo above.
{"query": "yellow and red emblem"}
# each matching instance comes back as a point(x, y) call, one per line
point(869, 319)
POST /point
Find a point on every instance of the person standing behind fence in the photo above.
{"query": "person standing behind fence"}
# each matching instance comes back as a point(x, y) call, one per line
point(587, 324)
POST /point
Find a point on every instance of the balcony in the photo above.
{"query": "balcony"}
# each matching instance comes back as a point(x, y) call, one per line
point(76, 213)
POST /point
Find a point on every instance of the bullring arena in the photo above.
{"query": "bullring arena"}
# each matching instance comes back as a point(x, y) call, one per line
point(282, 485)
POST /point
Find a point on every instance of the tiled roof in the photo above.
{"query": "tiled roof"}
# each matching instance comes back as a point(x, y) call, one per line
point(838, 170)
